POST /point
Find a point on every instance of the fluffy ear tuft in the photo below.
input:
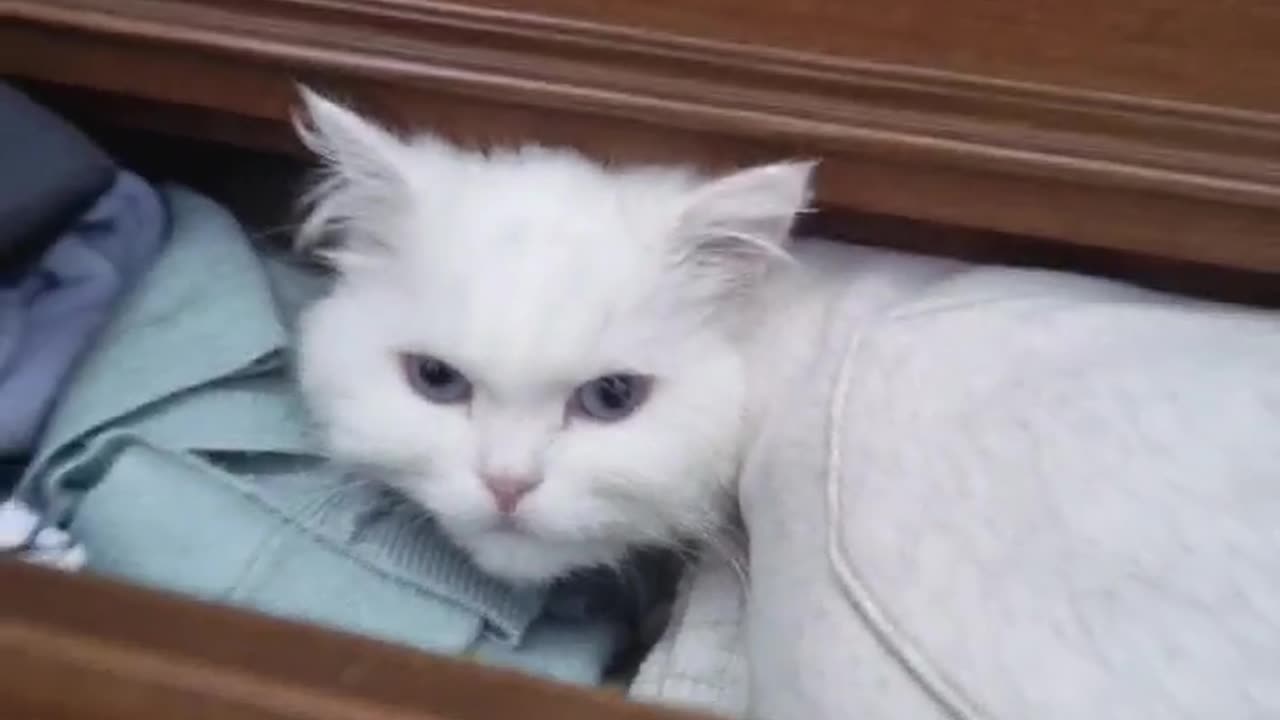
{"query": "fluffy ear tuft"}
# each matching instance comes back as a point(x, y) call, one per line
point(734, 226)
point(363, 175)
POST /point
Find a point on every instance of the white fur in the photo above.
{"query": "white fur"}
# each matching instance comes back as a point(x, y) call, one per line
point(533, 271)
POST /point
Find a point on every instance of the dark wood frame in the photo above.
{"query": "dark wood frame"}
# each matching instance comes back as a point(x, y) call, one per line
point(1148, 126)
point(81, 647)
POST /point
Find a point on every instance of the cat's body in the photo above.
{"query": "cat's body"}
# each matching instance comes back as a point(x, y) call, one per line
point(551, 356)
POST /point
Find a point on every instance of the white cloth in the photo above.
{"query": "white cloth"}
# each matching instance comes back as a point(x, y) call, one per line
point(700, 661)
point(1001, 494)
point(21, 533)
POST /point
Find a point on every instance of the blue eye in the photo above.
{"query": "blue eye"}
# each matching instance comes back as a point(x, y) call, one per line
point(436, 380)
point(612, 397)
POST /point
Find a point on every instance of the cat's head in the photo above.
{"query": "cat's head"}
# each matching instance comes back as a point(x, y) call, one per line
point(538, 349)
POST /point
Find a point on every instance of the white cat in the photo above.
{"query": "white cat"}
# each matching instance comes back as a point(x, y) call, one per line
point(540, 350)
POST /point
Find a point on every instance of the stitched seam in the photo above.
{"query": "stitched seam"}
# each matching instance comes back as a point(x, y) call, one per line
point(942, 690)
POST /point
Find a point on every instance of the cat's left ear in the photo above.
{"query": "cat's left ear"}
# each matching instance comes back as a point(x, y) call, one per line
point(732, 227)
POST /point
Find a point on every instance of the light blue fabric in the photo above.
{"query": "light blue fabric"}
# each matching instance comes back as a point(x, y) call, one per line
point(53, 309)
point(181, 458)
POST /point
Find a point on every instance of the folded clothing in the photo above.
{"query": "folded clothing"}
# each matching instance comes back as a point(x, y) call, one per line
point(999, 493)
point(182, 458)
point(700, 662)
point(49, 175)
point(52, 310)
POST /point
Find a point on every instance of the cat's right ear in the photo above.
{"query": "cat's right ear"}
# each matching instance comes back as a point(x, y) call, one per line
point(364, 173)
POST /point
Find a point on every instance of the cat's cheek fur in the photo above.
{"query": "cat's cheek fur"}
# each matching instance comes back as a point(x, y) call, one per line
point(660, 476)
point(349, 373)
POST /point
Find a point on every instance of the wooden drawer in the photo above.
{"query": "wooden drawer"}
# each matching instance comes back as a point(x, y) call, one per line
point(78, 647)
point(1148, 126)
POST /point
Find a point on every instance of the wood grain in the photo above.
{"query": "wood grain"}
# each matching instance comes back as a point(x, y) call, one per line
point(1095, 125)
point(1216, 52)
point(79, 647)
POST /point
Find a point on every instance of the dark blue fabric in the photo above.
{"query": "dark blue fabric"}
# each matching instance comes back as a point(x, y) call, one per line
point(50, 173)
point(625, 594)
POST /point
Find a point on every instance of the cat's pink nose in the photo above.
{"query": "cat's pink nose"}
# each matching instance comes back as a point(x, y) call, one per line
point(508, 490)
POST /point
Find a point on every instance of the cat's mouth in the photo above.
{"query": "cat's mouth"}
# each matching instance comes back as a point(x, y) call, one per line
point(515, 527)
point(510, 525)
